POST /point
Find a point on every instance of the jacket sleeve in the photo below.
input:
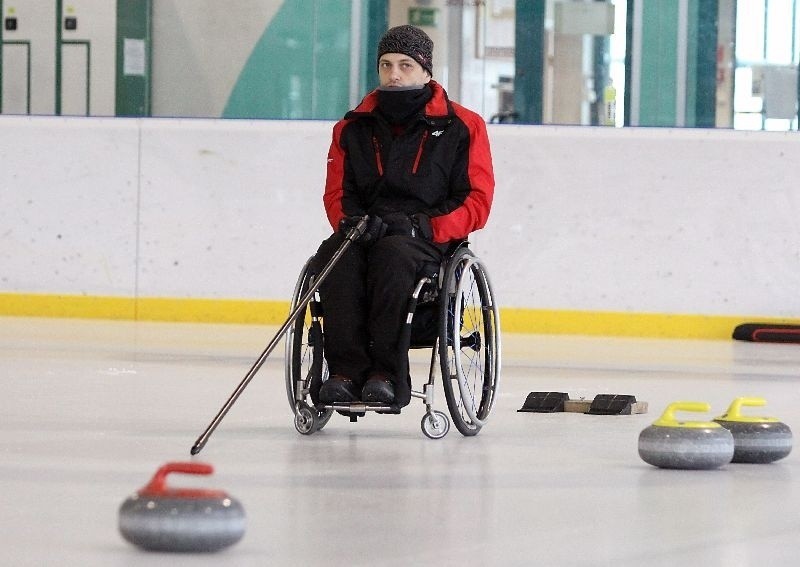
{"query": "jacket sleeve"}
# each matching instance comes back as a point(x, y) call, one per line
point(340, 198)
point(474, 184)
point(334, 181)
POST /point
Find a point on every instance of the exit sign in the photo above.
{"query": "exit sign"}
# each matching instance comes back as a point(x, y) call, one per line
point(423, 16)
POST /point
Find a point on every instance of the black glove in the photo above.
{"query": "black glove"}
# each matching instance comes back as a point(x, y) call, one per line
point(348, 223)
point(374, 230)
point(417, 225)
point(422, 226)
point(398, 224)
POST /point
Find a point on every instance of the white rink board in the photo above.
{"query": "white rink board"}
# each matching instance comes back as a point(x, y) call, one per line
point(646, 220)
point(230, 209)
point(68, 205)
point(631, 220)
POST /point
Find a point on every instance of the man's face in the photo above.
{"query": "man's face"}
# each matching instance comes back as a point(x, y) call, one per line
point(399, 70)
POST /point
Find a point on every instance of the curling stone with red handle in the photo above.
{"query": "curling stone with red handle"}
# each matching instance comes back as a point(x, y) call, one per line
point(158, 518)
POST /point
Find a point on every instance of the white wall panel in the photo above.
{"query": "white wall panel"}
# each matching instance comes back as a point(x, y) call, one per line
point(36, 24)
point(15, 79)
point(96, 21)
point(76, 91)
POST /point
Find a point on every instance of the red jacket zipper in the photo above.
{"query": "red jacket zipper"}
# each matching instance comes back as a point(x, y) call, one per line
point(419, 151)
point(377, 149)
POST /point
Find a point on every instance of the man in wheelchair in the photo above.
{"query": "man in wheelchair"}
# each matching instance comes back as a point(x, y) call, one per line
point(420, 167)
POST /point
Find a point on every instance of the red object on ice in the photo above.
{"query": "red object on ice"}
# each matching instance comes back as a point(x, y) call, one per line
point(159, 518)
point(157, 487)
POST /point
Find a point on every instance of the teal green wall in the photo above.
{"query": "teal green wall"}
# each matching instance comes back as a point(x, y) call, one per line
point(529, 34)
point(704, 59)
point(374, 23)
point(132, 93)
point(300, 68)
point(691, 64)
point(659, 63)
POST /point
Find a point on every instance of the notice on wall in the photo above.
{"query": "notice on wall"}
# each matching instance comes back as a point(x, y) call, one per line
point(427, 17)
point(134, 59)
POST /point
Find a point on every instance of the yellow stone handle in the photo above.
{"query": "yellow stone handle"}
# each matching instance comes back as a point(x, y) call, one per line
point(734, 411)
point(668, 419)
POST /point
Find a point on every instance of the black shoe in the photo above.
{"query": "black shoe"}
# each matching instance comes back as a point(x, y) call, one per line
point(378, 390)
point(338, 389)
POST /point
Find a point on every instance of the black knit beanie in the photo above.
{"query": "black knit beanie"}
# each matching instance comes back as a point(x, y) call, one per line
point(411, 41)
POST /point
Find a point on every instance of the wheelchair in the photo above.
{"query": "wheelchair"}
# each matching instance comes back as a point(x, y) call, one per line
point(451, 311)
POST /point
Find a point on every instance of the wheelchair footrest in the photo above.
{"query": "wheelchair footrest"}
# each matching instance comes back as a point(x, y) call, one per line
point(354, 410)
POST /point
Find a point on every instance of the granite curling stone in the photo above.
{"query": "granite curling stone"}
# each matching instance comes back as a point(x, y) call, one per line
point(755, 439)
point(672, 444)
point(158, 518)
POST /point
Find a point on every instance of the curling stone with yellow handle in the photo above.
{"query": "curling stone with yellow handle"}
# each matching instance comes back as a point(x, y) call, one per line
point(672, 444)
point(755, 439)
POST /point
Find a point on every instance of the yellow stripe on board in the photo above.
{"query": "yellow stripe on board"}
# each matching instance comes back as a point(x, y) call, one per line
point(81, 306)
point(213, 310)
point(618, 324)
point(145, 309)
point(536, 321)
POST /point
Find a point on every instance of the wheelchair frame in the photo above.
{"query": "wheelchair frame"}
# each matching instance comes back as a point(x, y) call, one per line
point(469, 361)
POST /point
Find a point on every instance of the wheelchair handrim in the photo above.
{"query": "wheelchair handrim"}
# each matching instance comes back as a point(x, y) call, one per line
point(494, 364)
point(290, 346)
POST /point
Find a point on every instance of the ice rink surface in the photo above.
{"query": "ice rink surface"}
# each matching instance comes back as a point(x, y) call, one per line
point(90, 409)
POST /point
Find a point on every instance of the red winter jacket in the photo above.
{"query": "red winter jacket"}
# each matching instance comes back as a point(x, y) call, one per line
point(441, 165)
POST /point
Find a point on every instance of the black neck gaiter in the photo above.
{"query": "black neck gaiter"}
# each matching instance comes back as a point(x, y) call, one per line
point(400, 104)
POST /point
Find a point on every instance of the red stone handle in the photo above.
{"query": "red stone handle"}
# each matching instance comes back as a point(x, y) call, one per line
point(157, 487)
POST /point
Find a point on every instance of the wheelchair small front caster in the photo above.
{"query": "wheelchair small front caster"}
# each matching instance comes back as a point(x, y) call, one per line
point(435, 424)
point(305, 419)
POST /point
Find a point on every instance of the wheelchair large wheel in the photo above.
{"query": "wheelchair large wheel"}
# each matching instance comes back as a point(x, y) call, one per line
point(469, 342)
point(304, 358)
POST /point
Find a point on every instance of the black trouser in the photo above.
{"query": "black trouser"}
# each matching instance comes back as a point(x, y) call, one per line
point(365, 302)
